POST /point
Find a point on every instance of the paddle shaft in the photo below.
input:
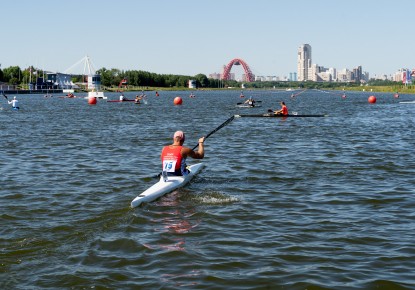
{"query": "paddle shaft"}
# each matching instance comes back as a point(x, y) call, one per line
point(217, 129)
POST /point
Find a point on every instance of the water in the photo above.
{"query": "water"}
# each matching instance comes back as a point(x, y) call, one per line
point(301, 203)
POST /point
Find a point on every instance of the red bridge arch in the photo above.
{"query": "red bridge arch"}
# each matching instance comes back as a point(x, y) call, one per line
point(237, 61)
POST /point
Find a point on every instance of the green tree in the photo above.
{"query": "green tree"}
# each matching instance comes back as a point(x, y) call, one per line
point(202, 80)
point(12, 74)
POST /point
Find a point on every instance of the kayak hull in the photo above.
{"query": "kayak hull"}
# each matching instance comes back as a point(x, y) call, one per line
point(270, 115)
point(119, 101)
point(163, 187)
point(248, 106)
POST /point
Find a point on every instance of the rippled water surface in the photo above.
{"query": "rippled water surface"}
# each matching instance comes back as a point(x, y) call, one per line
point(300, 203)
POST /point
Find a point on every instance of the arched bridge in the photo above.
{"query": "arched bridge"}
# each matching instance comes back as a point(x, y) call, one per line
point(237, 61)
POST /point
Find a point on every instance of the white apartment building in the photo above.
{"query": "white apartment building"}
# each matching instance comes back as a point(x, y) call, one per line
point(312, 72)
point(304, 63)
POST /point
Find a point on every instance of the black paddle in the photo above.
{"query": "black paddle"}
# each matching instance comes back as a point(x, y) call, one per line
point(5, 96)
point(217, 129)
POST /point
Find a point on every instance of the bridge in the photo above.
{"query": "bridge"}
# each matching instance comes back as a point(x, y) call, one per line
point(237, 61)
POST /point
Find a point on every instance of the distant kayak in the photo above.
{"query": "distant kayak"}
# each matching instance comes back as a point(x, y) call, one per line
point(119, 101)
point(251, 104)
point(271, 115)
point(248, 106)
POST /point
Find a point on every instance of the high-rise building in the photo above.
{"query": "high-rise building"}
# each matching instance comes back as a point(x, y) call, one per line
point(304, 63)
point(357, 73)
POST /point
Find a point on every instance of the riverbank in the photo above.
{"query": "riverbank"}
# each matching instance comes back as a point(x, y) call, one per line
point(377, 89)
point(26, 92)
point(382, 89)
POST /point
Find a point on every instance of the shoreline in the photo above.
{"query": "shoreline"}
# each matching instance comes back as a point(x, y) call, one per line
point(369, 89)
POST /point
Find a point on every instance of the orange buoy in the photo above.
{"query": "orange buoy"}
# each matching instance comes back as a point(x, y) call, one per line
point(92, 101)
point(178, 101)
point(372, 99)
point(396, 95)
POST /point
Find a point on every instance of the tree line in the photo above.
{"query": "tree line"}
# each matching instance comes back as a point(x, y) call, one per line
point(113, 77)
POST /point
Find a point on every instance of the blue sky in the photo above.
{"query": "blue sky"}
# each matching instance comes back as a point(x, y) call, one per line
point(192, 36)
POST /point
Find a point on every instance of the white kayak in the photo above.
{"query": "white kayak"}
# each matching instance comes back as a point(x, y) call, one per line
point(408, 102)
point(163, 186)
point(248, 106)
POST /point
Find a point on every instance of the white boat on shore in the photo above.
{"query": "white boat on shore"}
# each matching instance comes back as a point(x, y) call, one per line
point(98, 95)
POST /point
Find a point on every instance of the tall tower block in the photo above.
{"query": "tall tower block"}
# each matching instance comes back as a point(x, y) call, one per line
point(304, 62)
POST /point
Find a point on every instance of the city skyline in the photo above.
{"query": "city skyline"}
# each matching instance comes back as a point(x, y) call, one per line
point(188, 38)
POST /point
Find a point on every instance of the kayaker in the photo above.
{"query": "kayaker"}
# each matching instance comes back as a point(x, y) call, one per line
point(122, 98)
point(137, 99)
point(250, 102)
point(15, 103)
point(173, 157)
point(283, 111)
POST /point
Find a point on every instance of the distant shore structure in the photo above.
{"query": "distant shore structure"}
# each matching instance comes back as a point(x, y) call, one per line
point(308, 71)
point(192, 84)
point(92, 80)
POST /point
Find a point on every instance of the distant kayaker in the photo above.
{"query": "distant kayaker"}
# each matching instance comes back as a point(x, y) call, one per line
point(283, 111)
point(15, 103)
point(173, 157)
point(137, 99)
point(122, 98)
point(250, 102)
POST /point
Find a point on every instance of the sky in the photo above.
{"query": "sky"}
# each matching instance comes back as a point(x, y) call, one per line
point(188, 37)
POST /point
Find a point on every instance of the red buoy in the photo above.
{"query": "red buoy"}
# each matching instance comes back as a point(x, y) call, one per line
point(92, 101)
point(372, 99)
point(178, 101)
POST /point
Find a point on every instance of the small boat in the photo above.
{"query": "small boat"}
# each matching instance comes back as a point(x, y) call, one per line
point(248, 106)
point(98, 95)
point(119, 101)
point(165, 185)
point(407, 102)
point(271, 115)
point(250, 103)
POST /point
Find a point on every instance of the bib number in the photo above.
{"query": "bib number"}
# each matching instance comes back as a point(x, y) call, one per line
point(169, 165)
